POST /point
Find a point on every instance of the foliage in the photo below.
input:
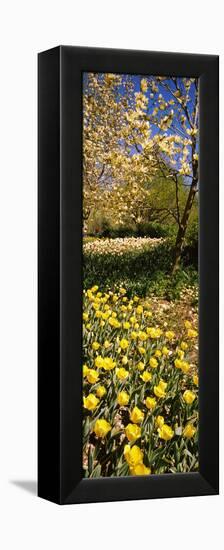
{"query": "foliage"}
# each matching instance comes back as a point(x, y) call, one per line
point(192, 234)
point(143, 229)
point(190, 251)
point(140, 404)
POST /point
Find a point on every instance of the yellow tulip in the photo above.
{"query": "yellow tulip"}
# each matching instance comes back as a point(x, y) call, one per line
point(192, 333)
point(94, 288)
point(169, 334)
point(108, 363)
point(140, 366)
point(98, 313)
point(101, 391)
point(90, 402)
point(165, 432)
point(122, 374)
point(137, 416)
point(106, 344)
point(180, 353)
point(146, 376)
point(101, 428)
point(160, 389)
point(154, 332)
point(114, 322)
point(99, 362)
point(189, 431)
point(195, 379)
point(133, 455)
point(122, 290)
point(132, 432)
point(85, 370)
point(95, 346)
point(124, 343)
point(150, 403)
point(159, 421)
point(140, 470)
point(123, 399)
point(142, 336)
point(178, 363)
point(184, 346)
point(141, 350)
point(189, 396)
point(92, 376)
point(185, 367)
point(153, 363)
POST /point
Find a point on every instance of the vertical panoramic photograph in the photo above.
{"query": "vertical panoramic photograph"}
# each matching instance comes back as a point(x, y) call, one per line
point(140, 153)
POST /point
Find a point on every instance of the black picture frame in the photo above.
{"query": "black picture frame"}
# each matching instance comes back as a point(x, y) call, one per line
point(60, 275)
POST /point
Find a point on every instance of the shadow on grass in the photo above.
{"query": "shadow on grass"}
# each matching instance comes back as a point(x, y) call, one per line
point(144, 272)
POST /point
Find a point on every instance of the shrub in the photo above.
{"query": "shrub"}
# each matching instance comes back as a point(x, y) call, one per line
point(190, 251)
point(99, 226)
point(154, 230)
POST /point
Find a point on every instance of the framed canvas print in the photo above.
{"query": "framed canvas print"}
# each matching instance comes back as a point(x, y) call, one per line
point(128, 275)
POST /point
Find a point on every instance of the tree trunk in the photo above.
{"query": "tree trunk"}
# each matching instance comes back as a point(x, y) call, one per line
point(183, 226)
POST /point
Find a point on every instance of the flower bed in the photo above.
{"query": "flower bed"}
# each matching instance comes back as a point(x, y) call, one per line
point(140, 403)
point(119, 245)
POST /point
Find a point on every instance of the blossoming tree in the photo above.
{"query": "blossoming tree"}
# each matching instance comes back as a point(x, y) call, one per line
point(132, 139)
point(175, 114)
